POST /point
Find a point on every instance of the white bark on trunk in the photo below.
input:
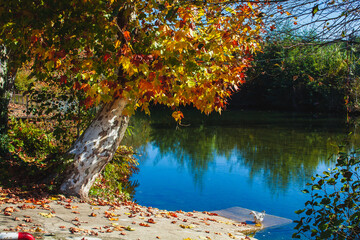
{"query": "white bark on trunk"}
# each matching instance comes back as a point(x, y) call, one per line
point(6, 88)
point(95, 148)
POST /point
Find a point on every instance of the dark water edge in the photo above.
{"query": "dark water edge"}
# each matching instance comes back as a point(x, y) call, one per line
point(252, 159)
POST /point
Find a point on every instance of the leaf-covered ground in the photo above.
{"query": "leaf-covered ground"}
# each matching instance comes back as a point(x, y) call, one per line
point(42, 214)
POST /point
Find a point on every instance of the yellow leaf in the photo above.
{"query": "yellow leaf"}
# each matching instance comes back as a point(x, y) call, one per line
point(230, 10)
point(128, 228)
point(58, 63)
point(117, 44)
point(187, 226)
point(47, 215)
point(231, 236)
point(105, 89)
point(180, 46)
point(178, 115)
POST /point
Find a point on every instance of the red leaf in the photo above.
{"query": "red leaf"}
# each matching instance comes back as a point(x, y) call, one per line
point(63, 79)
point(106, 57)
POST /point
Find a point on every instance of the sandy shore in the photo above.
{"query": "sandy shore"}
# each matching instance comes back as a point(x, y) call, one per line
point(58, 217)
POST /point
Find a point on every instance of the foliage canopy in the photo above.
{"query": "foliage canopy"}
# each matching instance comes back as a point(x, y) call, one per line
point(166, 52)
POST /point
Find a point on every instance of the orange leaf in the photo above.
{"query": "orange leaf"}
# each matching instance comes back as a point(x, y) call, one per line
point(85, 86)
point(150, 220)
point(127, 35)
point(144, 224)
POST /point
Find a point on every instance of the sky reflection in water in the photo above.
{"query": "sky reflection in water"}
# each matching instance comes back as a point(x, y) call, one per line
point(255, 160)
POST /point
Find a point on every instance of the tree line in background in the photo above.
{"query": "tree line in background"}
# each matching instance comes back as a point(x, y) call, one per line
point(297, 73)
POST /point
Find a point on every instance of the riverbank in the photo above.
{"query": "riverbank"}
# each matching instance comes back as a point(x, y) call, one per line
point(57, 217)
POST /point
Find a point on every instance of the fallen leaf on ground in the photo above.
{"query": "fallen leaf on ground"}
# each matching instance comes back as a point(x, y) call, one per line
point(150, 220)
point(187, 226)
point(47, 215)
point(128, 228)
point(231, 236)
point(144, 224)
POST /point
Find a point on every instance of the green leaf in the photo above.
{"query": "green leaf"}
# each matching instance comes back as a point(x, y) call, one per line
point(295, 235)
point(300, 211)
point(309, 212)
point(49, 65)
point(315, 9)
point(325, 201)
point(191, 83)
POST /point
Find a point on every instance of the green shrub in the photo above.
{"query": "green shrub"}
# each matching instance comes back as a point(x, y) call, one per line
point(30, 141)
point(333, 211)
point(4, 145)
point(22, 81)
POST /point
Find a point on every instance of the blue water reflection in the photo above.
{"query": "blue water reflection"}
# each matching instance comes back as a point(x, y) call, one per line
point(212, 165)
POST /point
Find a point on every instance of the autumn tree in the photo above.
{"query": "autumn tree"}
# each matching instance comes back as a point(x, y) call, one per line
point(125, 55)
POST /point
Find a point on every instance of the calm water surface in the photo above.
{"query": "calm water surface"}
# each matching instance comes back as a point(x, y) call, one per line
point(255, 160)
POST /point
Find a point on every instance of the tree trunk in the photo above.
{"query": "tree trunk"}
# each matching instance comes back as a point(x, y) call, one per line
point(97, 145)
point(95, 148)
point(6, 87)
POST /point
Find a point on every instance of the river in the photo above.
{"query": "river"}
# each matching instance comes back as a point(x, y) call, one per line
point(255, 160)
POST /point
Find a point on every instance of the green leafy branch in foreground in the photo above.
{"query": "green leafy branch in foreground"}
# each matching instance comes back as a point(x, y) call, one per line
point(333, 211)
point(113, 183)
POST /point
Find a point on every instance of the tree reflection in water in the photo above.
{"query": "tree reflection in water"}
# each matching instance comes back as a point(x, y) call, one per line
point(281, 147)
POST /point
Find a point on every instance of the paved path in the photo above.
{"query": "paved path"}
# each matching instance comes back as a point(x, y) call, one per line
point(64, 218)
